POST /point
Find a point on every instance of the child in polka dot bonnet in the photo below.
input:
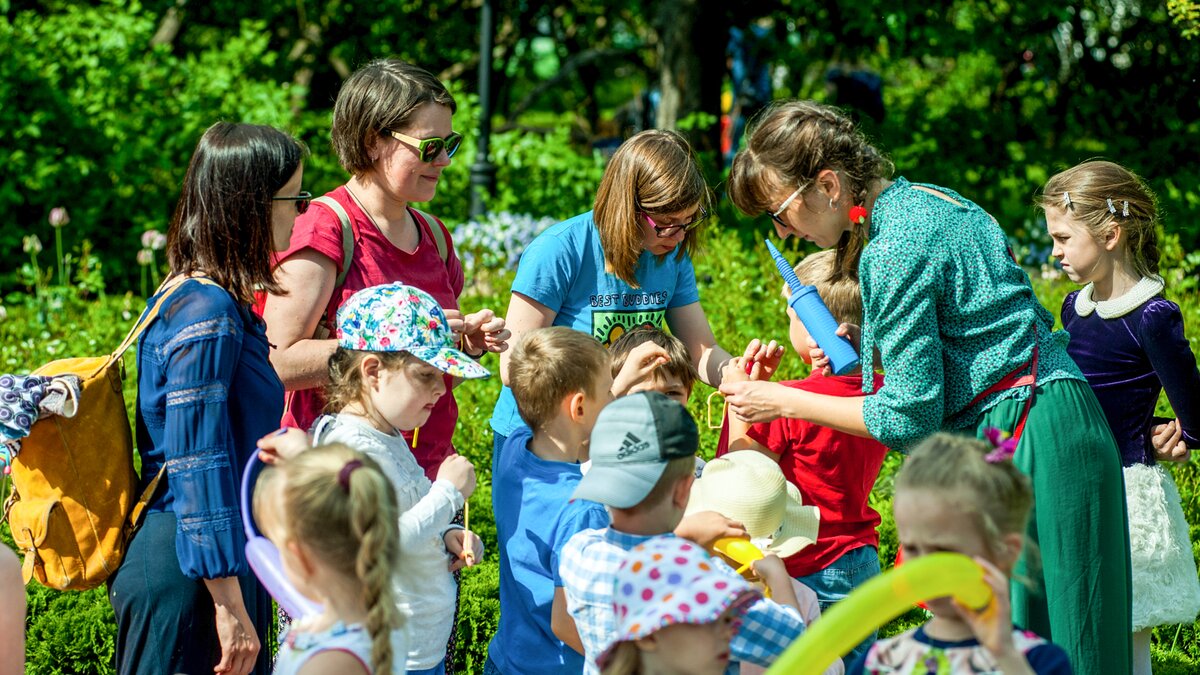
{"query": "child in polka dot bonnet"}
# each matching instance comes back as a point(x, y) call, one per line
point(675, 612)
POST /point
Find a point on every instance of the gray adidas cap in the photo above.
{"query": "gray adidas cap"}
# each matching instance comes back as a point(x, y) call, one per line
point(634, 438)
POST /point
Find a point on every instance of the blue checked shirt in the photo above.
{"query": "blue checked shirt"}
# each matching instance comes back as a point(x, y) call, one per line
point(588, 568)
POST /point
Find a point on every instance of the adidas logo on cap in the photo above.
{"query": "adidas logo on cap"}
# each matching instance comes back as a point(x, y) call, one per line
point(631, 445)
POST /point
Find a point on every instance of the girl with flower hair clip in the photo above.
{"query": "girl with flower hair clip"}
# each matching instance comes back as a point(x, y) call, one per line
point(1129, 342)
point(964, 495)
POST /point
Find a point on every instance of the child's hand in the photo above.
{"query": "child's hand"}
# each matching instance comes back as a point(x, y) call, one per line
point(764, 357)
point(460, 472)
point(735, 370)
point(282, 445)
point(820, 361)
point(455, 540)
point(772, 571)
point(992, 625)
point(1167, 440)
point(639, 365)
point(706, 527)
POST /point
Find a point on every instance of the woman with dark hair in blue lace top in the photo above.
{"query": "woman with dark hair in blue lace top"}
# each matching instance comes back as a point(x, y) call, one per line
point(185, 598)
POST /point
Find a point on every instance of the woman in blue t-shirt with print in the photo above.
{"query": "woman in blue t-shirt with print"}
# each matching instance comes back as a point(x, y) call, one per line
point(625, 264)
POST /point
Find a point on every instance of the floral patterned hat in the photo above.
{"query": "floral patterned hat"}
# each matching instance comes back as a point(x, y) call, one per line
point(399, 318)
point(666, 581)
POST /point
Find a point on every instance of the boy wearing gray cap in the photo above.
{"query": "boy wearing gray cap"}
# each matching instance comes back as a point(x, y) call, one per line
point(643, 451)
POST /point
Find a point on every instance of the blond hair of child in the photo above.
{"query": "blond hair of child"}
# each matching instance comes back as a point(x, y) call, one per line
point(333, 507)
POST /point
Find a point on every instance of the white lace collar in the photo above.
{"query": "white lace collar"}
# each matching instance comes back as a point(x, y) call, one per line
point(1143, 290)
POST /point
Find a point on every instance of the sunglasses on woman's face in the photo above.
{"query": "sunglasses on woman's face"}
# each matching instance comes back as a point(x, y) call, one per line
point(302, 201)
point(428, 149)
point(665, 231)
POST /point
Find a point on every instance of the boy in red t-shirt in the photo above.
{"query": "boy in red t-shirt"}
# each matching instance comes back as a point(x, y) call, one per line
point(835, 471)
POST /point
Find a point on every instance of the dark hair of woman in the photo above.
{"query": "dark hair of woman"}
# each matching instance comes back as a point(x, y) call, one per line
point(222, 224)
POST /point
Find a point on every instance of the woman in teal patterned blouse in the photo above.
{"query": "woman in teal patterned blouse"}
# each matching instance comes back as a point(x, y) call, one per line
point(961, 337)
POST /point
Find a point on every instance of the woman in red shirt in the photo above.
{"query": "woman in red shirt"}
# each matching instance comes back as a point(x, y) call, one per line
point(392, 131)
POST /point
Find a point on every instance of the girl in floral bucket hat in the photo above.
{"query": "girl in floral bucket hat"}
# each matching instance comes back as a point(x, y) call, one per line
point(676, 613)
point(395, 358)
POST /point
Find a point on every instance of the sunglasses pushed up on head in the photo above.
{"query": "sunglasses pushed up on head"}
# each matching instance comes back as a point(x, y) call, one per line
point(428, 149)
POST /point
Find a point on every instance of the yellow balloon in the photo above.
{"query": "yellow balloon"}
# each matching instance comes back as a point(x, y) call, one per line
point(741, 551)
point(878, 601)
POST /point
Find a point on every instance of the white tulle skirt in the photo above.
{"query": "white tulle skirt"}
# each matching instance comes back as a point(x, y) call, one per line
point(1166, 588)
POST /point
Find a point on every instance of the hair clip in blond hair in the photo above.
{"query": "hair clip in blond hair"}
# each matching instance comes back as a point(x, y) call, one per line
point(1066, 200)
point(1125, 209)
point(1111, 209)
point(1004, 446)
point(343, 477)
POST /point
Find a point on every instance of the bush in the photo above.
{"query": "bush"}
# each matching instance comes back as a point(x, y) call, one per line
point(496, 241)
point(102, 122)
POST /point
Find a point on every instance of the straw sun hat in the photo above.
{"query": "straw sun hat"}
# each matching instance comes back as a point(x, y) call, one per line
point(749, 487)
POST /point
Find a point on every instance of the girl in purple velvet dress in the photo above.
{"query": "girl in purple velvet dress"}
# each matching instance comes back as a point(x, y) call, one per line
point(1129, 342)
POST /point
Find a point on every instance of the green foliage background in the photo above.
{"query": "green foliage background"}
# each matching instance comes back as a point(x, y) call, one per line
point(989, 97)
point(101, 112)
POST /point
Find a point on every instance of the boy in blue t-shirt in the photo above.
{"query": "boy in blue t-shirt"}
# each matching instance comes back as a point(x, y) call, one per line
point(561, 380)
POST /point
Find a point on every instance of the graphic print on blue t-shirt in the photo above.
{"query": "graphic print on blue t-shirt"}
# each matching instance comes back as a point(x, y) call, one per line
point(608, 327)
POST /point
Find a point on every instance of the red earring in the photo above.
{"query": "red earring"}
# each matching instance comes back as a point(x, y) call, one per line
point(858, 214)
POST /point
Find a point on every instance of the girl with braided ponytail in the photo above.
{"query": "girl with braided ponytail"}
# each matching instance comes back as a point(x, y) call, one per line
point(965, 346)
point(333, 516)
point(1128, 340)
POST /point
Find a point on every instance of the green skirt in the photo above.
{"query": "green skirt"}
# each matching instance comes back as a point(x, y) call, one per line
point(1072, 584)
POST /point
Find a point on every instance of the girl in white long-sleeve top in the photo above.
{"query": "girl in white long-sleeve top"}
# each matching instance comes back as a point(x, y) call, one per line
point(394, 345)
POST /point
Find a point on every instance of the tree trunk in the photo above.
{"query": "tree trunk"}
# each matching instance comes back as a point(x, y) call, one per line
point(691, 64)
point(169, 27)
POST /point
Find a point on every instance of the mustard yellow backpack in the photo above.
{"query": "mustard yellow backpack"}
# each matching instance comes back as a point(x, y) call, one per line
point(72, 508)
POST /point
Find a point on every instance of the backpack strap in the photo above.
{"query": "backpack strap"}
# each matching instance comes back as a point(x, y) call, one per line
point(439, 234)
point(167, 289)
point(347, 235)
point(135, 514)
